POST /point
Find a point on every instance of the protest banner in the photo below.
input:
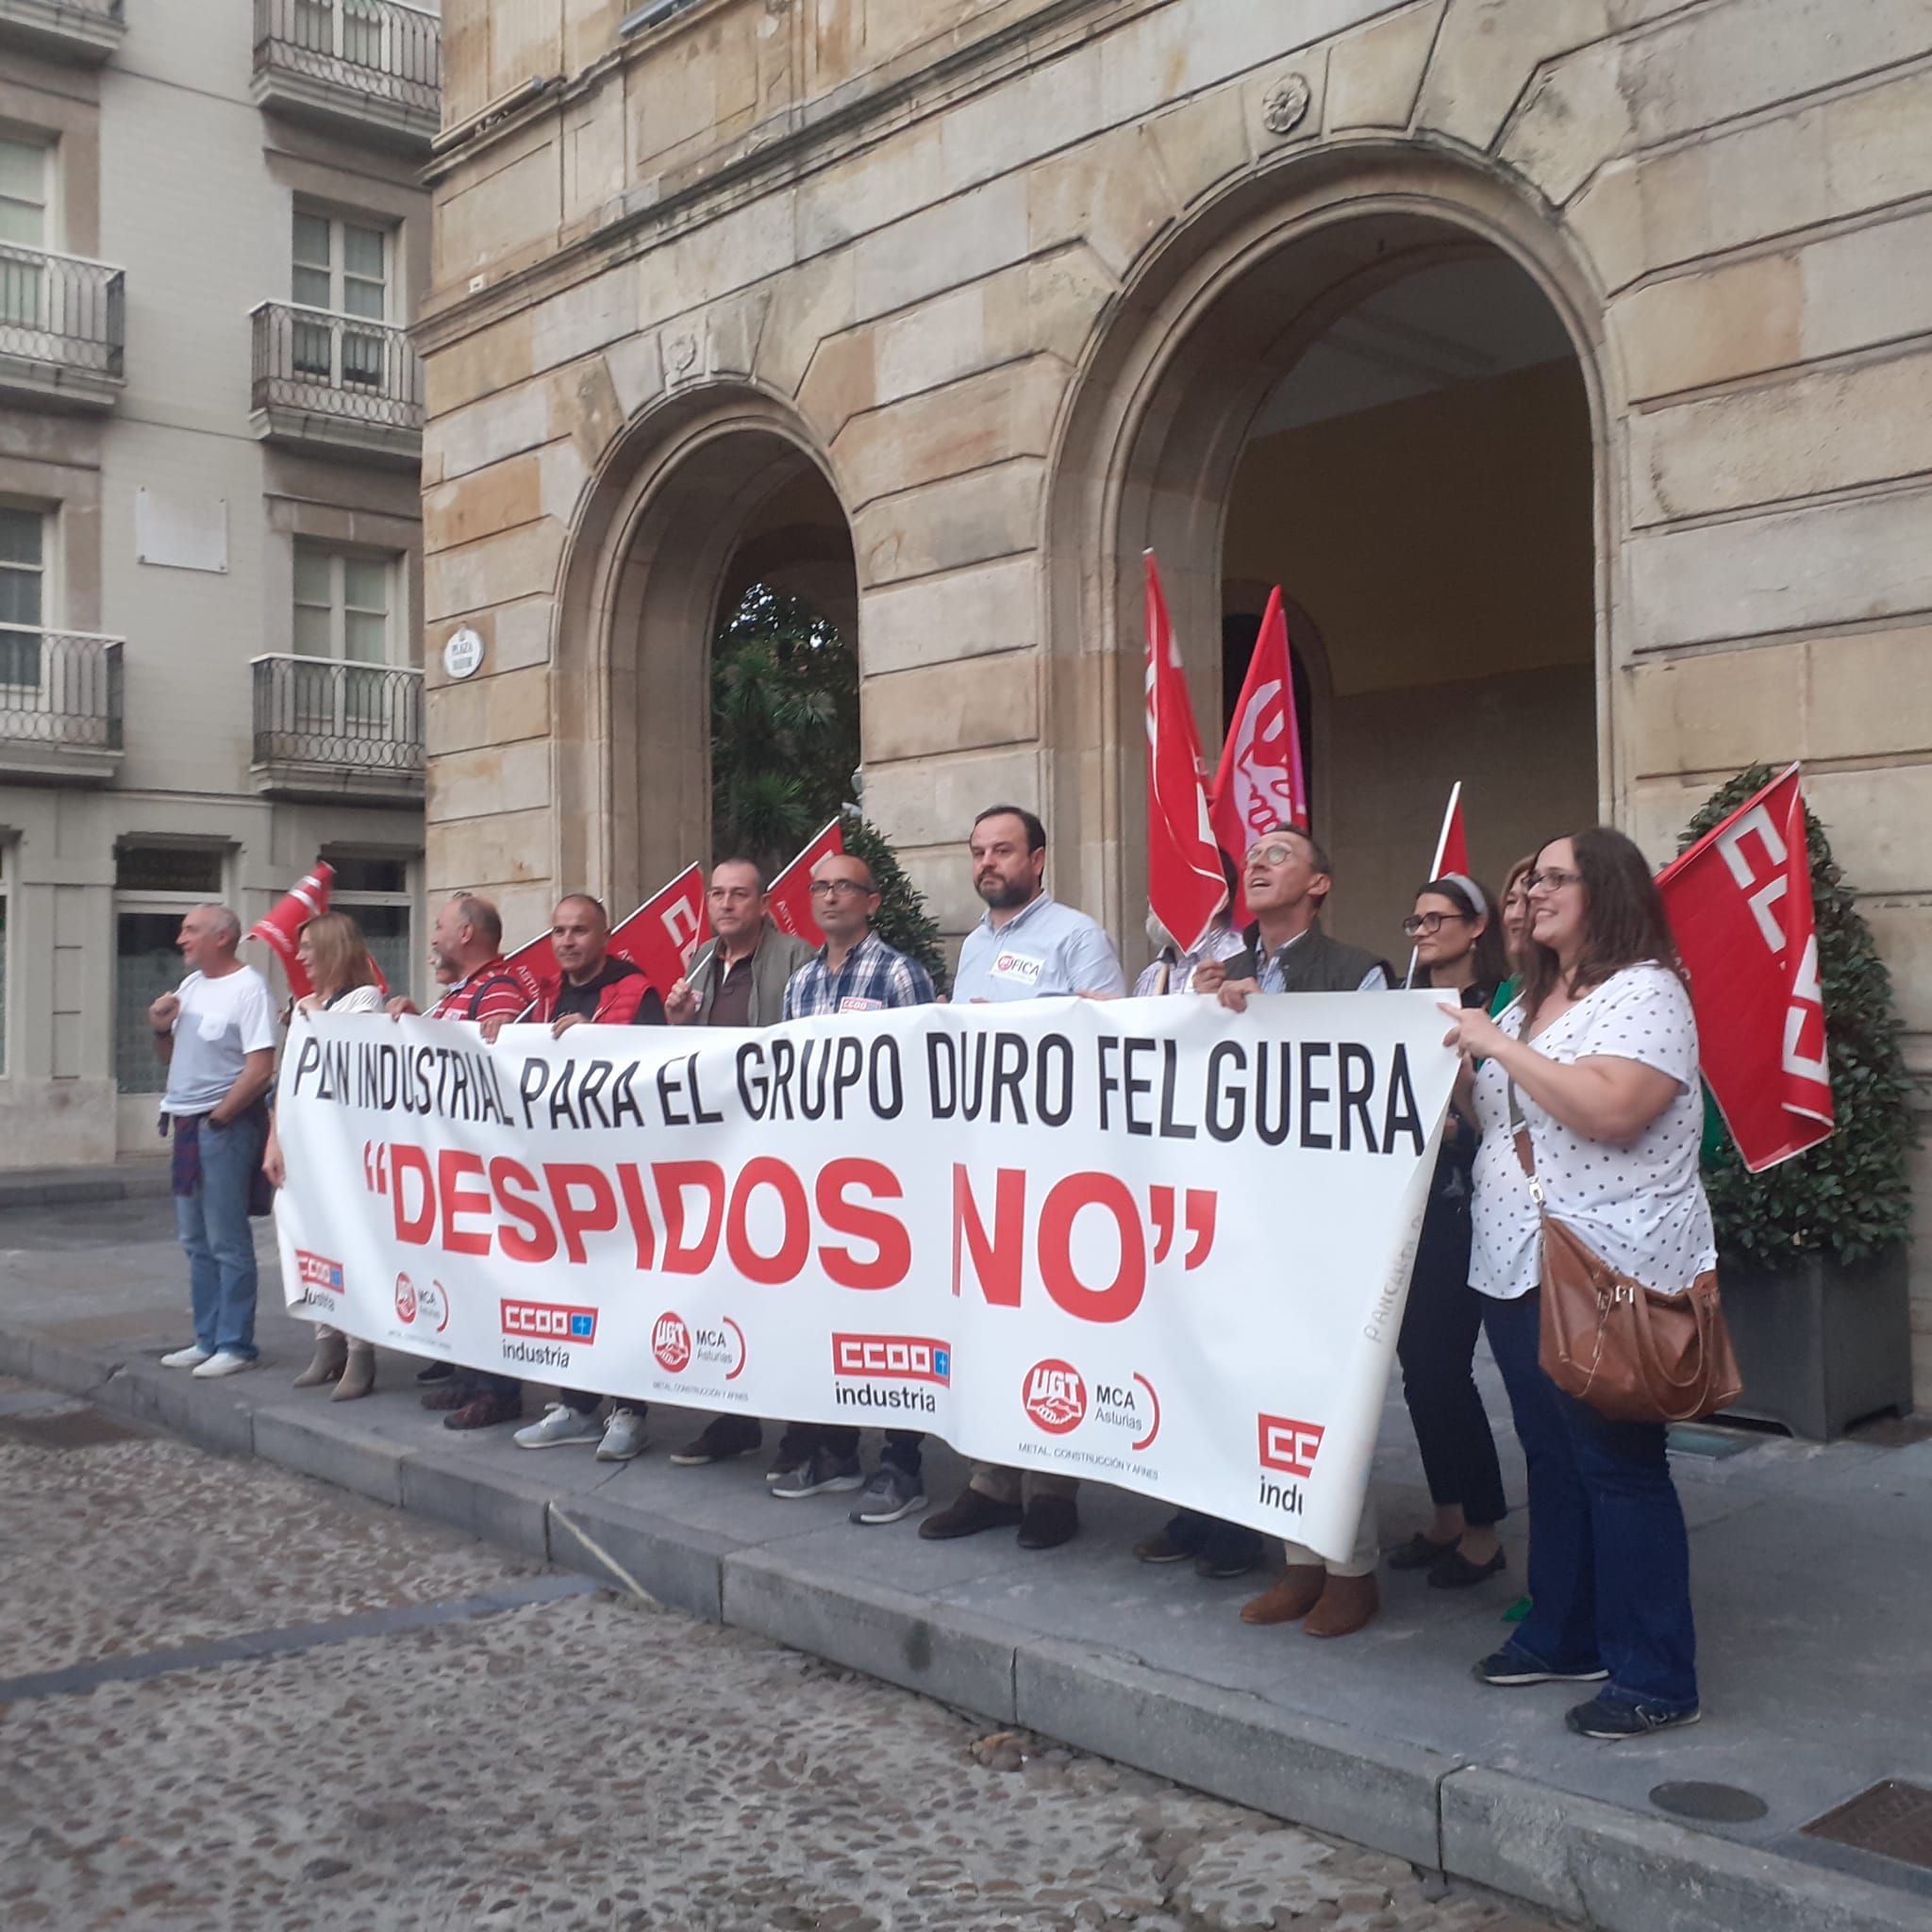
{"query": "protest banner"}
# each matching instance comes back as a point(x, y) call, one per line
point(1144, 1242)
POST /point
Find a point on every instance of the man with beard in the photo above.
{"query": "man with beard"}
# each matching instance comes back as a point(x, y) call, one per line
point(1028, 946)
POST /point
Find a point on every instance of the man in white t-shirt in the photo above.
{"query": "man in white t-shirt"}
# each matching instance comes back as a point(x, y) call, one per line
point(216, 1036)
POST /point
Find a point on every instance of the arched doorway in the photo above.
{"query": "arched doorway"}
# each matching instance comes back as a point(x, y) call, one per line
point(700, 500)
point(1362, 380)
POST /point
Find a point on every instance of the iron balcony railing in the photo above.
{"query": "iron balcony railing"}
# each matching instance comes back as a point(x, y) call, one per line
point(376, 48)
point(59, 688)
point(340, 366)
point(62, 311)
point(320, 711)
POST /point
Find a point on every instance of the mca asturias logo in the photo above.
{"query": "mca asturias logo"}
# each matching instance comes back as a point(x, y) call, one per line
point(425, 1302)
point(670, 1344)
point(679, 1346)
point(549, 1322)
point(1055, 1395)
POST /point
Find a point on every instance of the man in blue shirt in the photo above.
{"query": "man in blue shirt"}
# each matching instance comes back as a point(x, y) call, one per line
point(1028, 946)
point(855, 971)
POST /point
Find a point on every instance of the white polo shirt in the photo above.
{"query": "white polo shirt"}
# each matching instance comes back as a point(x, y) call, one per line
point(1044, 948)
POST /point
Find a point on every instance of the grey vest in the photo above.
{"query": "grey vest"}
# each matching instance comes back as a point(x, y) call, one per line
point(1316, 963)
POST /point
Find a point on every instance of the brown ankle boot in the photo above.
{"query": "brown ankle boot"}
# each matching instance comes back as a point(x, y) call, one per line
point(359, 1376)
point(1346, 1606)
point(1294, 1595)
point(331, 1354)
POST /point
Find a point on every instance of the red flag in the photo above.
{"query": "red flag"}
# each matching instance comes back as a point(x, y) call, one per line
point(1184, 886)
point(534, 968)
point(660, 937)
point(789, 896)
point(1740, 904)
point(1452, 847)
point(280, 930)
point(1261, 783)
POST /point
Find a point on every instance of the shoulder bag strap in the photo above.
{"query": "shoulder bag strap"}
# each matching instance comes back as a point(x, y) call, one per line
point(1526, 1153)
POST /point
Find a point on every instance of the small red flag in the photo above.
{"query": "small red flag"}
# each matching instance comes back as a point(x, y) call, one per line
point(283, 927)
point(1261, 783)
point(1739, 906)
point(660, 937)
point(1184, 886)
point(1452, 847)
point(788, 895)
point(534, 968)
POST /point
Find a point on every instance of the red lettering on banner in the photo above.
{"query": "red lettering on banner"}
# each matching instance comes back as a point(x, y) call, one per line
point(785, 1262)
point(453, 1166)
point(672, 1177)
point(996, 1262)
point(530, 1237)
point(893, 1261)
point(632, 1182)
point(596, 1216)
point(414, 1229)
point(1108, 1193)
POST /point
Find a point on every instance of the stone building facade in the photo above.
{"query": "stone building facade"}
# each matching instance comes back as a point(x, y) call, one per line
point(1566, 361)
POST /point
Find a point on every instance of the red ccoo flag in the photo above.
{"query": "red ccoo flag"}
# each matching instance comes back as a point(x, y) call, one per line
point(281, 929)
point(660, 937)
point(1261, 783)
point(1452, 846)
point(534, 968)
point(1739, 906)
point(788, 895)
point(1184, 886)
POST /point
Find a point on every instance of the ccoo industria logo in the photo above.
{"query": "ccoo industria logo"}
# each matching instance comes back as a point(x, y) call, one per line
point(893, 1357)
point(1055, 1394)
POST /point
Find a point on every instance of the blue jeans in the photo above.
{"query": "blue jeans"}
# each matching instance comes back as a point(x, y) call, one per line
point(212, 1224)
point(1609, 1563)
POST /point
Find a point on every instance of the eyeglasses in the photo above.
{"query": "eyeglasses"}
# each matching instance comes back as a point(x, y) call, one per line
point(1271, 854)
point(1430, 923)
point(824, 889)
point(1552, 881)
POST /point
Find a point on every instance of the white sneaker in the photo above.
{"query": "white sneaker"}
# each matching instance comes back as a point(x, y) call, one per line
point(189, 1358)
point(624, 1437)
point(224, 1361)
point(558, 1423)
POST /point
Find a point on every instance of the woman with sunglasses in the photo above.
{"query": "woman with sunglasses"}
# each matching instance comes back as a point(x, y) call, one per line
point(1598, 1060)
point(1456, 942)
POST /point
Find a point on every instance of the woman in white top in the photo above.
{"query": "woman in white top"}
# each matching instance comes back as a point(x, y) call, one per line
point(336, 957)
point(1601, 1051)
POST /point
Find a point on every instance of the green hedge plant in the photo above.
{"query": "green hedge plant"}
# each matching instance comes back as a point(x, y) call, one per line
point(1848, 1198)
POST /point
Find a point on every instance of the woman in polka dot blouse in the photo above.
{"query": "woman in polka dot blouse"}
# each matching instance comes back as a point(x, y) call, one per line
point(1600, 1053)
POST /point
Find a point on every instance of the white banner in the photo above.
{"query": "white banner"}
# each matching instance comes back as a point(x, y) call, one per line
point(1146, 1241)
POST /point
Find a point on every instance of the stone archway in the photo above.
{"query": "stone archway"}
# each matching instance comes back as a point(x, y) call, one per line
point(1165, 411)
point(711, 492)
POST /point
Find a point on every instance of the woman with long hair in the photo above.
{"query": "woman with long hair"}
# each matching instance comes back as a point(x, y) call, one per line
point(1515, 931)
point(1597, 1061)
point(336, 957)
point(1457, 940)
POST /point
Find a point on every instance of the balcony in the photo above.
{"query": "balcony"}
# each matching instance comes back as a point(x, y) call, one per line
point(59, 705)
point(336, 385)
point(87, 31)
point(367, 67)
point(62, 329)
point(325, 729)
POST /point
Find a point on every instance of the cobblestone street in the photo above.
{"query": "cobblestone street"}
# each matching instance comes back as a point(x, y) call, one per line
point(389, 1758)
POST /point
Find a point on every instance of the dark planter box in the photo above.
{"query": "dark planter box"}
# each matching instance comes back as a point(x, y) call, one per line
point(1822, 1345)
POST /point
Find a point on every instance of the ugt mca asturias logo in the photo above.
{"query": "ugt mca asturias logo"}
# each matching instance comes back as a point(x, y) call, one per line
point(427, 1302)
point(1055, 1395)
point(678, 1346)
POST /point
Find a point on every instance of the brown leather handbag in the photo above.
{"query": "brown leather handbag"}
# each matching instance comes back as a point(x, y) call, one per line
point(1633, 1353)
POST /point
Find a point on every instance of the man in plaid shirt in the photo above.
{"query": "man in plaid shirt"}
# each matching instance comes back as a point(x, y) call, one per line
point(856, 971)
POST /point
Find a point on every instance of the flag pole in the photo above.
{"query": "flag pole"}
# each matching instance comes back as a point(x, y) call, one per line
point(1436, 870)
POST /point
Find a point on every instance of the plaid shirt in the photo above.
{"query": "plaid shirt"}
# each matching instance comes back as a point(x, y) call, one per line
point(874, 976)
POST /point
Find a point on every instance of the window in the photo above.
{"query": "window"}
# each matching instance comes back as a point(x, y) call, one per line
point(375, 894)
point(341, 266)
point(347, 29)
point(24, 222)
point(342, 603)
point(22, 573)
point(154, 885)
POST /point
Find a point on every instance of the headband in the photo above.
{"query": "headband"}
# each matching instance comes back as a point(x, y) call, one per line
point(1477, 898)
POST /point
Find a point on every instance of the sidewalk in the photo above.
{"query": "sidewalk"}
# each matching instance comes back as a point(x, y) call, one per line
point(1813, 1570)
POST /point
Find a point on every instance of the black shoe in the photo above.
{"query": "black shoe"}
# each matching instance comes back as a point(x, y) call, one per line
point(719, 1441)
point(1513, 1665)
point(1419, 1553)
point(1228, 1553)
point(1179, 1540)
point(967, 1515)
point(1616, 1718)
point(436, 1371)
point(1456, 1572)
point(1049, 1522)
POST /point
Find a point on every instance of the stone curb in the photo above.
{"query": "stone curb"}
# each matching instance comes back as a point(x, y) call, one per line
point(149, 1180)
point(1615, 1870)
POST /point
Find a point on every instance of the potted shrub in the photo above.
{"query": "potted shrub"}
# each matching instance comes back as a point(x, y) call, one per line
point(1812, 1253)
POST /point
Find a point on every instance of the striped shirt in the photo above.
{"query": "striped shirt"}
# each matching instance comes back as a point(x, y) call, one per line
point(872, 977)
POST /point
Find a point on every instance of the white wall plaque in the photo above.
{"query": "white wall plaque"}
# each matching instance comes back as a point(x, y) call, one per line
point(462, 654)
point(181, 533)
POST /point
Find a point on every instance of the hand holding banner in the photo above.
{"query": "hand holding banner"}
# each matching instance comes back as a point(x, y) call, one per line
point(1739, 906)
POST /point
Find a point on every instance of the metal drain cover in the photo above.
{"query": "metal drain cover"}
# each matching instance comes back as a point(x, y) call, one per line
point(1893, 1818)
point(68, 1428)
point(1709, 1804)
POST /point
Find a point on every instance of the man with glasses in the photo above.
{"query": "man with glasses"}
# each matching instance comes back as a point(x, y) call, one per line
point(856, 971)
point(1286, 878)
